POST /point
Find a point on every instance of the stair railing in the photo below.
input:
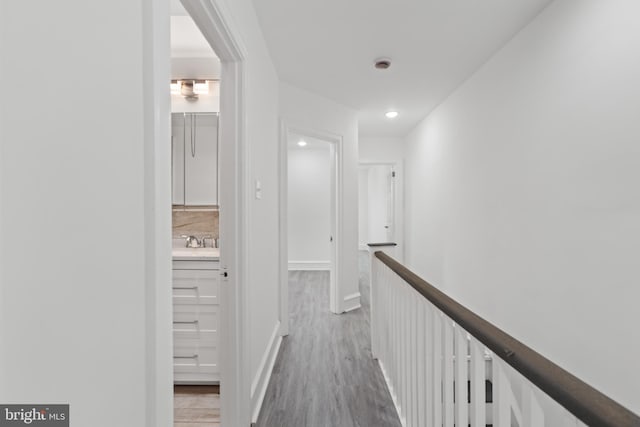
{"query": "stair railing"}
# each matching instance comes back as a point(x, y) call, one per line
point(427, 344)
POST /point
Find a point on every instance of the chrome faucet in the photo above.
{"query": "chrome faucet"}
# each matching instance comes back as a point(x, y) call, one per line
point(192, 241)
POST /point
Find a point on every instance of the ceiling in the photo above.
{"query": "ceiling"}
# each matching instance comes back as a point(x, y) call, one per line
point(191, 55)
point(329, 47)
point(187, 41)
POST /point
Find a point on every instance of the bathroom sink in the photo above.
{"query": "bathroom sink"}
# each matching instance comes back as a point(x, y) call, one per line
point(196, 253)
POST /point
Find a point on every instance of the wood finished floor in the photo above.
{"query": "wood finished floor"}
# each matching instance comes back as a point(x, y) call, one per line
point(196, 406)
point(324, 375)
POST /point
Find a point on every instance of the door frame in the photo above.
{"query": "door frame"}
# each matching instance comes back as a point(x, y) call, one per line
point(335, 298)
point(398, 204)
point(213, 19)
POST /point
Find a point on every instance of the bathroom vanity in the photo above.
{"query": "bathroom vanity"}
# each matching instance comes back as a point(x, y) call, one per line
point(196, 290)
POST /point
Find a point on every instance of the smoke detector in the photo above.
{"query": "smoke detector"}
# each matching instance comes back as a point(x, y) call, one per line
point(382, 63)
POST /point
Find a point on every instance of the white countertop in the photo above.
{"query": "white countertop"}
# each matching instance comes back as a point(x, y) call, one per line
point(195, 254)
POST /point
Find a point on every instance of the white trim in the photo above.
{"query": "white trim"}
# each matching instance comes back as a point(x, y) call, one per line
point(283, 197)
point(351, 302)
point(157, 224)
point(213, 19)
point(309, 265)
point(403, 421)
point(261, 380)
point(363, 247)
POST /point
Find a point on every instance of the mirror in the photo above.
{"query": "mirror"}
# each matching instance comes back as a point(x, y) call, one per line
point(194, 141)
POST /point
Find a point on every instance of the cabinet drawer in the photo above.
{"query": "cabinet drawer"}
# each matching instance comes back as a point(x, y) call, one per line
point(196, 286)
point(188, 378)
point(194, 339)
point(195, 357)
point(195, 360)
point(195, 317)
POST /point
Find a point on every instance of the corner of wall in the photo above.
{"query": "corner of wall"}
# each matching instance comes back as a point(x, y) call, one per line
point(351, 302)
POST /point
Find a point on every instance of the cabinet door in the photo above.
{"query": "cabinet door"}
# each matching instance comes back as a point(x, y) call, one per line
point(196, 287)
point(178, 136)
point(201, 160)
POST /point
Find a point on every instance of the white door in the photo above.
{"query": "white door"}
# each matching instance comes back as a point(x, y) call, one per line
point(334, 303)
point(380, 203)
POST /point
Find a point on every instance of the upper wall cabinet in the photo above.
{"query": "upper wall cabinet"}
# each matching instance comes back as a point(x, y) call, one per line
point(194, 138)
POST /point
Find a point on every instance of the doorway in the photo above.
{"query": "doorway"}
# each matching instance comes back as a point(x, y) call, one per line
point(195, 107)
point(376, 204)
point(310, 191)
point(232, 348)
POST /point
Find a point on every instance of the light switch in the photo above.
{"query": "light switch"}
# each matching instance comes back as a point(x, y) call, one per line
point(258, 189)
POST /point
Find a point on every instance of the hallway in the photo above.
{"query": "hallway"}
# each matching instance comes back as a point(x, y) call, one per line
point(324, 375)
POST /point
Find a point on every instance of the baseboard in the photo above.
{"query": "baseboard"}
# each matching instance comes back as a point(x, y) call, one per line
point(261, 380)
point(392, 392)
point(309, 265)
point(351, 302)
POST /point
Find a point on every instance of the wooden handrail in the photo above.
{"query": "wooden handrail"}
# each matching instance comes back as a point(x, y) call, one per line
point(583, 401)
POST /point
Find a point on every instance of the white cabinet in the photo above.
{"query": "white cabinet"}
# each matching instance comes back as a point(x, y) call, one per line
point(194, 140)
point(196, 290)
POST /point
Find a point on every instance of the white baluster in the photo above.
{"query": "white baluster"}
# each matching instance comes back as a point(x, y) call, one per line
point(396, 342)
point(461, 376)
point(437, 367)
point(501, 395)
point(374, 283)
point(421, 372)
point(403, 349)
point(477, 377)
point(413, 356)
point(407, 356)
point(429, 364)
point(447, 373)
point(390, 340)
point(532, 413)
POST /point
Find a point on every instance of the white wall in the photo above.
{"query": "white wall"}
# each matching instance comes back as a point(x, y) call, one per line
point(73, 208)
point(309, 111)
point(363, 207)
point(77, 216)
point(261, 98)
point(308, 206)
point(380, 149)
point(522, 199)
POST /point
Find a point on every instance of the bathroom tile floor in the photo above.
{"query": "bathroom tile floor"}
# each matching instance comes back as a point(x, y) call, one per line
point(196, 406)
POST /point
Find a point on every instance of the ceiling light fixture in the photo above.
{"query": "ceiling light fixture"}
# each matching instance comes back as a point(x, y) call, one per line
point(302, 143)
point(201, 87)
point(190, 89)
point(391, 114)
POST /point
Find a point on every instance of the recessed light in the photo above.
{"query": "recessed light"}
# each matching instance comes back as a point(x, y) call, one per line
point(391, 114)
point(302, 143)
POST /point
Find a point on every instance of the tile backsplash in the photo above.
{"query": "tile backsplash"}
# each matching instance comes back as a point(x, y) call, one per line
point(195, 222)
